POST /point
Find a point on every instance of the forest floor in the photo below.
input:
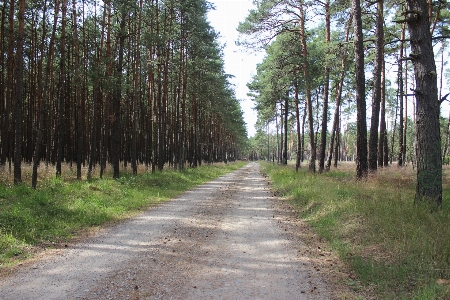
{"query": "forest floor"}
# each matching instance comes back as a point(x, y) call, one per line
point(227, 239)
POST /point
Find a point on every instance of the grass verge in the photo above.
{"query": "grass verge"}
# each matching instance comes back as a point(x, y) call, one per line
point(61, 209)
point(397, 249)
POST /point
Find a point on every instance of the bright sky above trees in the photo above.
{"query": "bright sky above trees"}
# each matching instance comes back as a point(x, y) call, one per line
point(239, 62)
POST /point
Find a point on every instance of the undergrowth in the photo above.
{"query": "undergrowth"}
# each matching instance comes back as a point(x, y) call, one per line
point(62, 208)
point(400, 249)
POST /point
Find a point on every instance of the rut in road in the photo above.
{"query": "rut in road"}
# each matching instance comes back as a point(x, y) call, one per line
point(221, 240)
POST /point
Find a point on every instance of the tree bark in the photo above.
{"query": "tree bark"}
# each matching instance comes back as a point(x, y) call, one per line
point(8, 128)
point(299, 141)
point(323, 137)
point(361, 138)
point(377, 86)
point(18, 96)
point(115, 126)
point(382, 143)
point(62, 91)
point(400, 97)
point(43, 88)
point(286, 111)
point(78, 97)
point(429, 156)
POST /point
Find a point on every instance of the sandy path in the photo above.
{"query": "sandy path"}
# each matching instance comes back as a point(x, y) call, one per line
point(221, 240)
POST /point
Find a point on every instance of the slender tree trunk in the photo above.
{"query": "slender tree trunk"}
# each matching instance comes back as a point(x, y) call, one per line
point(299, 141)
point(447, 133)
point(278, 138)
point(361, 138)
point(183, 110)
point(115, 126)
point(164, 115)
point(18, 96)
point(323, 136)
point(303, 133)
point(43, 87)
point(376, 102)
point(136, 92)
point(286, 111)
point(78, 97)
point(338, 139)
point(62, 91)
point(429, 156)
point(3, 126)
point(8, 128)
point(400, 97)
point(107, 97)
point(405, 114)
point(340, 85)
point(382, 143)
point(312, 160)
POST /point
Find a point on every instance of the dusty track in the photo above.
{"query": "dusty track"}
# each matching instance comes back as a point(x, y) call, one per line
point(222, 240)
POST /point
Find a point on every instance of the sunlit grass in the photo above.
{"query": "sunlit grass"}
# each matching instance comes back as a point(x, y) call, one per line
point(61, 208)
point(399, 248)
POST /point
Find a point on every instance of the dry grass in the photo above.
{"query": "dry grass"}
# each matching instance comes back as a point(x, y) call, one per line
point(68, 172)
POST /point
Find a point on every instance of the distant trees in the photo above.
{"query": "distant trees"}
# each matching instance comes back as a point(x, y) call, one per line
point(318, 65)
point(120, 83)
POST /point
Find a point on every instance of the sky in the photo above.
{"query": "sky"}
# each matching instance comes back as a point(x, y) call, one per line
point(239, 62)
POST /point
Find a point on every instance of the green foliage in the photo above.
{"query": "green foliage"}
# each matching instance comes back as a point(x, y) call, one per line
point(61, 209)
point(397, 247)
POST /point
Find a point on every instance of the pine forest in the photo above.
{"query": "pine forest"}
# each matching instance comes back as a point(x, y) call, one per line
point(142, 83)
point(120, 83)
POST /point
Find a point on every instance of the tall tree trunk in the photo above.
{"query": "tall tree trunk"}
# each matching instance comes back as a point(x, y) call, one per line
point(382, 143)
point(107, 97)
point(3, 126)
point(312, 160)
point(303, 133)
point(136, 92)
point(338, 139)
point(8, 128)
point(299, 141)
point(43, 87)
point(400, 97)
point(429, 156)
point(361, 134)
point(78, 97)
point(326, 87)
point(286, 111)
point(405, 115)
point(377, 86)
point(96, 134)
point(278, 138)
point(18, 96)
point(115, 126)
point(62, 91)
point(340, 85)
point(447, 133)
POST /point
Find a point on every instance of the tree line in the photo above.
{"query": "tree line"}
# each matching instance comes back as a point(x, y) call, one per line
point(325, 58)
point(114, 82)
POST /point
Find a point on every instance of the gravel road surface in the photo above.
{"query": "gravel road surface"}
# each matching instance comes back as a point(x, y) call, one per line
point(222, 240)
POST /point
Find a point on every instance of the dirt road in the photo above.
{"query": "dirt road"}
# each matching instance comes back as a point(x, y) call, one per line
point(219, 241)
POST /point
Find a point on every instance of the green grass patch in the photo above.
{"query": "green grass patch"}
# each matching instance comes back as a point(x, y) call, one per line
point(60, 209)
point(399, 248)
